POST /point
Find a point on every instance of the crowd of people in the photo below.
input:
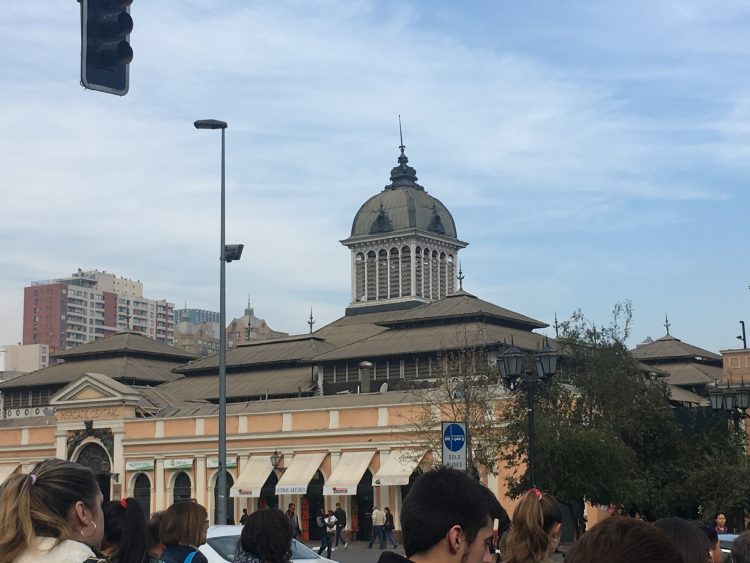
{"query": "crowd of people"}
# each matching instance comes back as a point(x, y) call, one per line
point(56, 514)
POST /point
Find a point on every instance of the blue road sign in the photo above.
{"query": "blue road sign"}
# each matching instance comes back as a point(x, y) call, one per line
point(454, 445)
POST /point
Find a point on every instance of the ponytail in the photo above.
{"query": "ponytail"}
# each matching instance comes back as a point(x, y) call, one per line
point(125, 530)
point(534, 516)
point(38, 504)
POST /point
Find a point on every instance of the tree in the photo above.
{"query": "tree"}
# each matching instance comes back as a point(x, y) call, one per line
point(464, 388)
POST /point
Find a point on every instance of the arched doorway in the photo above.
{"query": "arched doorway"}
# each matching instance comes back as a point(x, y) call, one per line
point(362, 504)
point(182, 488)
point(268, 497)
point(313, 501)
point(96, 458)
point(142, 492)
point(230, 500)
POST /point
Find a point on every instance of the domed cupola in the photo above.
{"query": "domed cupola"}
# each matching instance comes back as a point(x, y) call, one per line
point(404, 246)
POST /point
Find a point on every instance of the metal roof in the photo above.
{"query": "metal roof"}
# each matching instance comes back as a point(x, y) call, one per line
point(668, 347)
point(691, 373)
point(126, 342)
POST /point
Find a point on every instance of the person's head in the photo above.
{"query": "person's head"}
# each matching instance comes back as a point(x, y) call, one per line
point(387, 509)
point(155, 547)
point(338, 505)
point(330, 512)
point(58, 499)
point(720, 519)
point(184, 523)
point(322, 511)
point(450, 512)
point(268, 535)
point(125, 534)
point(537, 521)
point(291, 507)
point(713, 542)
point(622, 540)
point(741, 548)
point(244, 511)
point(687, 538)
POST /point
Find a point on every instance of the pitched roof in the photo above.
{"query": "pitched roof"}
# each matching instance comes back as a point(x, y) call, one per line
point(669, 347)
point(119, 368)
point(691, 373)
point(263, 352)
point(681, 395)
point(425, 339)
point(270, 382)
point(125, 342)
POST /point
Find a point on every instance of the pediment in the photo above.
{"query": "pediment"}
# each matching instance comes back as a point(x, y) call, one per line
point(94, 389)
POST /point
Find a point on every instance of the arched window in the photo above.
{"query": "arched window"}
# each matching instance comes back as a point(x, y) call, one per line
point(451, 275)
point(443, 274)
point(434, 276)
point(427, 280)
point(96, 458)
point(371, 275)
point(142, 492)
point(382, 274)
point(405, 271)
point(230, 500)
point(394, 273)
point(359, 277)
point(182, 487)
point(418, 271)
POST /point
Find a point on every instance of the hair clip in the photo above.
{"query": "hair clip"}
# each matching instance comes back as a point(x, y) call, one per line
point(124, 502)
point(33, 479)
point(537, 492)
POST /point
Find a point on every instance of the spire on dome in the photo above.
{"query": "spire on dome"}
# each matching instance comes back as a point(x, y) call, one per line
point(403, 175)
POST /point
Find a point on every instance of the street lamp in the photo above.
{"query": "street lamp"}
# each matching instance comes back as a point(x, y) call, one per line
point(730, 399)
point(227, 254)
point(511, 370)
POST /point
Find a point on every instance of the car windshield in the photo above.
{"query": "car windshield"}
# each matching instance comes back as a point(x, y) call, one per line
point(227, 545)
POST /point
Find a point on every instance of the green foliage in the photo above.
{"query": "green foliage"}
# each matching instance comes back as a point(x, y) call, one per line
point(605, 432)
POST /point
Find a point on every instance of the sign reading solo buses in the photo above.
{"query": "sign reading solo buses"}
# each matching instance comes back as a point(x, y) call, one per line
point(454, 445)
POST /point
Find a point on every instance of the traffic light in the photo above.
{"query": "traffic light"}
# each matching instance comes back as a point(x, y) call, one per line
point(105, 46)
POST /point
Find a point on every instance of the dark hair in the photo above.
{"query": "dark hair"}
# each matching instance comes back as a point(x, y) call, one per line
point(533, 518)
point(182, 524)
point(267, 534)
point(687, 538)
point(741, 548)
point(711, 533)
point(153, 530)
point(39, 503)
point(440, 499)
point(125, 528)
point(619, 539)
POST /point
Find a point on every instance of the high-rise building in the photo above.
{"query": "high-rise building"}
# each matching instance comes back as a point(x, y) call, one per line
point(89, 305)
point(196, 316)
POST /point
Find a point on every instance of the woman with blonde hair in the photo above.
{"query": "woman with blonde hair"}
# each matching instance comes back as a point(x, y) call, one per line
point(535, 535)
point(52, 514)
point(183, 528)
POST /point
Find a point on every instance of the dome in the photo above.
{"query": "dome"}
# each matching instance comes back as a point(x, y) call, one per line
point(403, 204)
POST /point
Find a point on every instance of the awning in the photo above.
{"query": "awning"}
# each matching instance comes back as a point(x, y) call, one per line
point(7, 469)
point(299, 473)
point(347, 473)
point(252, 477)
point(397, 469)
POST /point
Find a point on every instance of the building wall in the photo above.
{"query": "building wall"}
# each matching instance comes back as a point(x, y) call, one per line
point(24, 358)
point(736, 365)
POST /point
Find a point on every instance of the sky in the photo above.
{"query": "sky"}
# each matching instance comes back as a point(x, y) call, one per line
point(590, 152)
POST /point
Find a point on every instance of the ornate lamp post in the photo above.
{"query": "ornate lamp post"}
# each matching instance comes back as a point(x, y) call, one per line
point(511, 370)
point(734, 401)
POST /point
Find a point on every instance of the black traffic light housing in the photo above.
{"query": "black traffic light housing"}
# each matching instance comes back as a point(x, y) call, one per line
point(105, 45)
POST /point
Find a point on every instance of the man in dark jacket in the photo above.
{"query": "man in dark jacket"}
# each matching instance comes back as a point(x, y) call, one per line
point(340, 515)
point(460, 517)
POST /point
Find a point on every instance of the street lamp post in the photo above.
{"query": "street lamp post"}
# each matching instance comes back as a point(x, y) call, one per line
point(733, 400)
point(511, 370)
point(227, 254)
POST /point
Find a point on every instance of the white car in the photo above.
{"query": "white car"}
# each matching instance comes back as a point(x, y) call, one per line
point(221, 543)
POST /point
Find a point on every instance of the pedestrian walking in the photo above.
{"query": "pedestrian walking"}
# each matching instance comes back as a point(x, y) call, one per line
point(535, 532)
point(378, 521)
point(266, 536)
point(291, 515)
point(447, 517)
point(125, 534)
point(388, 527)
point(243, 518)
point(340, 514)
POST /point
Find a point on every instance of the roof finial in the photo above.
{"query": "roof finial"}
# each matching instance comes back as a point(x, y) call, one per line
point(556, 327)
point(401, 135)
point(461, 277)
point(311, 322)
point(667, 324)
